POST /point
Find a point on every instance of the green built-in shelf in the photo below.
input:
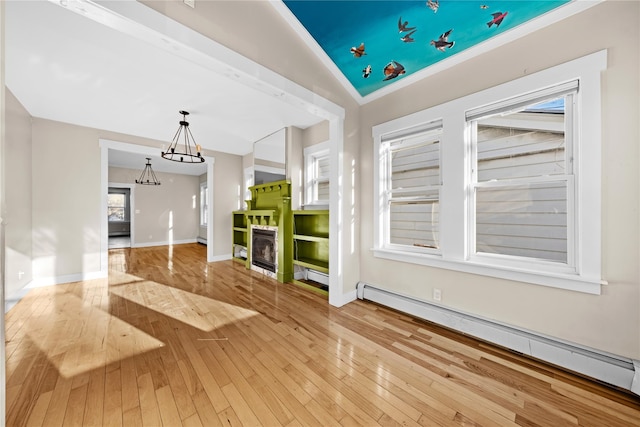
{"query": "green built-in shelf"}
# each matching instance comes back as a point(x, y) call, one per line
point(311, 245)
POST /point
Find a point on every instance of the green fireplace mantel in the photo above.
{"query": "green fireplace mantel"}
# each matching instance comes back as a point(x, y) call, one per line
point(270, 205)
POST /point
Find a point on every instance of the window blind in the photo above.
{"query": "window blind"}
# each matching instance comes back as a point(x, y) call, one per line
point(519, 102)
point(417, 131)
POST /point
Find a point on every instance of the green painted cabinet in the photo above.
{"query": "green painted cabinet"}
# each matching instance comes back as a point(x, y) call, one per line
point(240, 235)
point(311, 249)
point(269, 206)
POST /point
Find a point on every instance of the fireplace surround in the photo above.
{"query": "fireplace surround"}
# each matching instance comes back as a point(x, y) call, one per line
point(264, 249)
point(265, 229)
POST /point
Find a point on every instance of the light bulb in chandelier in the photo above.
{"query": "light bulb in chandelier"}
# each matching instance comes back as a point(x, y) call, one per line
point(183, 147)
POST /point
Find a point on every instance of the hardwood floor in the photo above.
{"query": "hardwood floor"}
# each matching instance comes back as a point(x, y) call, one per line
point(169, 340)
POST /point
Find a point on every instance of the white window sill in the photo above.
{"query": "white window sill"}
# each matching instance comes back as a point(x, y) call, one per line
point(572, 282)
point(315, 206)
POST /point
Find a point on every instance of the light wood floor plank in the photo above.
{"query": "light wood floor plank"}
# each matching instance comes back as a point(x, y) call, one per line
point(94, 405)
point(74, 415)
point(206, 412)
point(169, 340)
point(168, 408)
point(36, 417)
point(148, 403)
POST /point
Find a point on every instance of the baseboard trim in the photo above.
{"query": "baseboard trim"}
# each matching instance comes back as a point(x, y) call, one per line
point(11, 300)
point(224, 257)
point(165, 243)
point(611, 369)
point(15, 297)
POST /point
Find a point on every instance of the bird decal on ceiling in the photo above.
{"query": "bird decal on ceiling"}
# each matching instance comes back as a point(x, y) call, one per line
point(497, 19)
point(366, 72)
point(358, 51)
point(403, 26)
point(433, 5)
point(443, 42)
point(407, 37)
point(392, 70)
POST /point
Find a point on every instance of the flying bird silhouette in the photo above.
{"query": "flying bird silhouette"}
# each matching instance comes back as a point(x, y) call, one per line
point(433, 5)
point(366, 72)
point(407, 37)
point(392, 70)
point(358, 51)
point(497, 19)
point(403, 26)
point(443, 42)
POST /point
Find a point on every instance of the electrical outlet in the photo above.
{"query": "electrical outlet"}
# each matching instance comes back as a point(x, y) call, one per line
point(437, 294)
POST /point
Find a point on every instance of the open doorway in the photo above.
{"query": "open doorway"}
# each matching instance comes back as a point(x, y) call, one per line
point(119, 217)
point(135, 154)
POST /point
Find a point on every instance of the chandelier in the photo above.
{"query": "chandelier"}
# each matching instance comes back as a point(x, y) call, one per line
point(148, 177)
point(181, 149)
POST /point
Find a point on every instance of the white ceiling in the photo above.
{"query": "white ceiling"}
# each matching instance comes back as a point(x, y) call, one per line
point(63, 66)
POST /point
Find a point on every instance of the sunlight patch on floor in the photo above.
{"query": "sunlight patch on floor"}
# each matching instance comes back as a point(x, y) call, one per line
point(200, 312)
point(91, 337)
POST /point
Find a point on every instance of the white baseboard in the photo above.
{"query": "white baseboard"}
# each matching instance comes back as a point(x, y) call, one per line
point(14, 298)
point(202, 240)
point(612, 369)
point(165, 243)
point(221, 257)
point(40, 282)
point(59, 280)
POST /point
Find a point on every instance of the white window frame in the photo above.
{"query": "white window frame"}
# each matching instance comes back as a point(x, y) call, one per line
point(585, 273)
point(312, 155)
point(569, 89)
point(126, 212)
point(203, 204)
point(406, 138)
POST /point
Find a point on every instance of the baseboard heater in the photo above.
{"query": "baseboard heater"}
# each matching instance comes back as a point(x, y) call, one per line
point(611, 369)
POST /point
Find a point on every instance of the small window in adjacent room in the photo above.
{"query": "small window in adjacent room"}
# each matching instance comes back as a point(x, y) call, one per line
point(116, 207)
point(204, 204)
point(317, 165)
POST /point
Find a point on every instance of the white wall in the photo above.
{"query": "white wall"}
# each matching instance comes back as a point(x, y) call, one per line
point(66, 174)
point(166, 213)
point(66, 200)
point(17, 196)
point(609, 322)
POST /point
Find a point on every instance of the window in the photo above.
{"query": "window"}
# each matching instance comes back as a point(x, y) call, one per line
point(412, 188)
point(504, 182)
point(522, 180)
point(204, 204)
point(317, 174)
point(116, 207)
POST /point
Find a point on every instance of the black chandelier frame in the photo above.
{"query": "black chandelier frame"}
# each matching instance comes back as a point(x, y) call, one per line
point(180, 149)
point(148, 177)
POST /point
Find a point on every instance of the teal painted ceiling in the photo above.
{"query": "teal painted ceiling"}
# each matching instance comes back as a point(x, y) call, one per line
point(376, 43)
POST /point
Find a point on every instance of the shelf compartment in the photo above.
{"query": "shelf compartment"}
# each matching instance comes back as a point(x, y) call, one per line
point(239, 219)
point(311, 223)
point(313, 263)
point(312, 286)
point(240, 237)
point(308, 238)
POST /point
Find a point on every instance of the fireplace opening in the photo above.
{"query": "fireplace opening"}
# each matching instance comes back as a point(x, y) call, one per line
point(263, 249)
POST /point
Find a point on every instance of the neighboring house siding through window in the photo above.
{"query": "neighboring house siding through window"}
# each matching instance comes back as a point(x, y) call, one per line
point(505, 182)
